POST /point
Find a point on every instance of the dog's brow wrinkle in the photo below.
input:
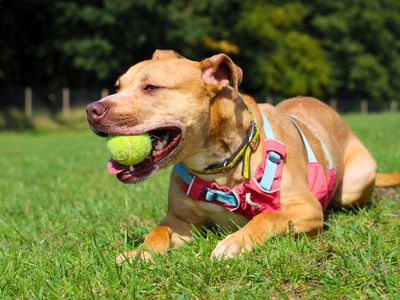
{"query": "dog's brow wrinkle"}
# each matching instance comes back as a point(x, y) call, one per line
point(174, 116)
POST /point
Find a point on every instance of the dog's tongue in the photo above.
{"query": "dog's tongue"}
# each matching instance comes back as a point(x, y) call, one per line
point(115, 168)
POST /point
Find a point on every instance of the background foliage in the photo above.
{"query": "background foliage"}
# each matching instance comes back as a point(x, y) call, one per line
point(343, 49)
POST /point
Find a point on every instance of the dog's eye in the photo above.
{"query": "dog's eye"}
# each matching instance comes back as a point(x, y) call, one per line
point(151, 87)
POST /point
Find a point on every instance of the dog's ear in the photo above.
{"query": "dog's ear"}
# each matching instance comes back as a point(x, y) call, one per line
point(166, 54)
point(218, 71)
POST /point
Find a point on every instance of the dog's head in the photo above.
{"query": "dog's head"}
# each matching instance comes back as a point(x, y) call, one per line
point(169, 97)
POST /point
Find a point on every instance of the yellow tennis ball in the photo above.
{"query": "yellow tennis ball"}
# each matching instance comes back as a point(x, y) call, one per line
point(129, 149)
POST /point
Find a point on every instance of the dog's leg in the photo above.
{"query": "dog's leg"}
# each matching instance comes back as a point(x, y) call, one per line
point(299, 218)
point(358, 180)
point(171, 233)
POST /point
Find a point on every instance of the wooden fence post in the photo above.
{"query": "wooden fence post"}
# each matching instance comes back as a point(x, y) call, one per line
point(333, 103)
point(65, 102)
point(393, 106)
point(364, 107)
point(28, 102)
point(104, 93)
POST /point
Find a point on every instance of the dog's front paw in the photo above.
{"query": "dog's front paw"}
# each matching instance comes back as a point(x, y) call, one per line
point(133, 254)
point(232, 245)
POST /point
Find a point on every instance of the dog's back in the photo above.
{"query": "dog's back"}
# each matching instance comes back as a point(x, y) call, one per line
point(355, 166)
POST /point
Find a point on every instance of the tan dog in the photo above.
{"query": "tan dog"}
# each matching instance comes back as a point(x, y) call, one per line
point(196, 118)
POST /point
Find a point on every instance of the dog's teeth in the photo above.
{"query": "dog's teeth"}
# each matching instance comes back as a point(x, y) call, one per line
point(131, 168)
point(160, 144)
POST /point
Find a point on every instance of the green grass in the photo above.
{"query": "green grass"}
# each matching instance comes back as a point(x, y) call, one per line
point(63, 219)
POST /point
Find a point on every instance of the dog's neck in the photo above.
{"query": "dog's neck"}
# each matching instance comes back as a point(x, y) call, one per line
point(229, 125)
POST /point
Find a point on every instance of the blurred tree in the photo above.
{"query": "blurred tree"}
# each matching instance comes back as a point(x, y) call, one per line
point(320, 48)
point(286, 60)
point(362, 41)
point(104, 38)
point(26, 55)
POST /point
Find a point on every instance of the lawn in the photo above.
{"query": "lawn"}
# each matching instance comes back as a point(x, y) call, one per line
point(63, 220)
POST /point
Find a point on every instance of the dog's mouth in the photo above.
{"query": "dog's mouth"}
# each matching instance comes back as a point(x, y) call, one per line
point(165, 143)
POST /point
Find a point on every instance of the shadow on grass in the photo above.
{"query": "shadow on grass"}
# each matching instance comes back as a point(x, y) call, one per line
point(379, 197)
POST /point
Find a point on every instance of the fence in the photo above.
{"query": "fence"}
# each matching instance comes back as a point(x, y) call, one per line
point(32, 100)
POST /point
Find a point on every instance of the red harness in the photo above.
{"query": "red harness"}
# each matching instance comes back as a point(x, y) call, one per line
point(262, 192)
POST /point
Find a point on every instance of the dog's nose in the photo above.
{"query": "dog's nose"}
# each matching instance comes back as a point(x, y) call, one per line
point(96, 111)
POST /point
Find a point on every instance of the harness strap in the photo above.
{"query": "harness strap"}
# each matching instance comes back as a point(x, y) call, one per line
point(273, 158)
point(220, 196)
point(208, 193)
point(310, 152)
point(271, 165)
point(326, 152)
point(269, 134)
